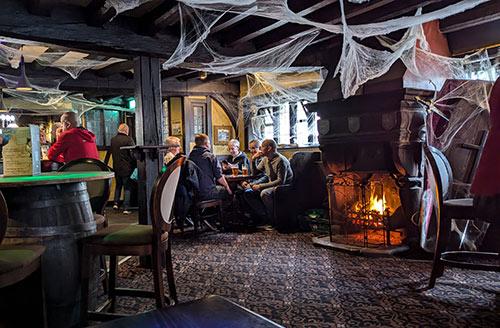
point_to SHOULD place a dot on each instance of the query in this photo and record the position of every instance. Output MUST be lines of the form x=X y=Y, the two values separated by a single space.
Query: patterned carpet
x=287 y=279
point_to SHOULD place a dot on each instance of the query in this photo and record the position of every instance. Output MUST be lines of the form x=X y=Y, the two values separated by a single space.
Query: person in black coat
x=123 y=165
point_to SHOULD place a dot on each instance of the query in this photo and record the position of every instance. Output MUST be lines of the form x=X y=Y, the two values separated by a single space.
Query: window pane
x=284 y=126
x=111 y=121
x=93 y=122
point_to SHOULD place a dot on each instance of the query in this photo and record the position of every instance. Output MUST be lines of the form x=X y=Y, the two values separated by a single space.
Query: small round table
x=53 y=209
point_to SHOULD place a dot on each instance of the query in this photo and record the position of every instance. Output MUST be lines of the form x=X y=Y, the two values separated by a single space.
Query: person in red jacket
x=75 y=142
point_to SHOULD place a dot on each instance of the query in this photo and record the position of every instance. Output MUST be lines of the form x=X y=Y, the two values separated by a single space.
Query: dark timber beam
x=40 y=7
x=473 y=38
x=97 y=15
x=331 y=41
x=164 y=15
x=484 y=13
x=323 y=16
x=304 y=13
x=148 y=128
x=115 y=68
x=234 y=19
x=72 y=31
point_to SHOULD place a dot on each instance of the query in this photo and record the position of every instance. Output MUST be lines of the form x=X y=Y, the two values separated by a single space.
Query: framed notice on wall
x=222 y=134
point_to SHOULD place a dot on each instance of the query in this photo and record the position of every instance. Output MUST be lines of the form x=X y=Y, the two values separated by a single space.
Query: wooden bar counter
x=53 y=209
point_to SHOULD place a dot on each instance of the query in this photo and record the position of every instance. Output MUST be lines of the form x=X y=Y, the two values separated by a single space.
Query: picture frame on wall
x=222 y=134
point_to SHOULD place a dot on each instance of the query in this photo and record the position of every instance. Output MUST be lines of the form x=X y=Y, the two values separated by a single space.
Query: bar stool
x=18 y=263
x=136 y=240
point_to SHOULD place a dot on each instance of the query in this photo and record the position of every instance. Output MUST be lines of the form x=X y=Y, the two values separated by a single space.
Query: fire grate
x=362 y=214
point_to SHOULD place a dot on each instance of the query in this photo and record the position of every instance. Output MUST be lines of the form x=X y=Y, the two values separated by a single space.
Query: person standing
x=74 y=142
x=123 y=165
x=210 y=169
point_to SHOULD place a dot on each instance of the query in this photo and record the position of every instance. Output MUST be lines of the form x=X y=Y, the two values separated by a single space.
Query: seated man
x=210 y=169
x=173 y=150
x=75 y=142
x=237 y=157
x=254 y=147
x=277 y=172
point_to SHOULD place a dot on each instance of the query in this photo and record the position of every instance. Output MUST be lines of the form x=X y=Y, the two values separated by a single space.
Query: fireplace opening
x=365 y=210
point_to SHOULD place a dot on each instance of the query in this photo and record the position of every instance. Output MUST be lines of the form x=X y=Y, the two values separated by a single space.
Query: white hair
x=234 y=142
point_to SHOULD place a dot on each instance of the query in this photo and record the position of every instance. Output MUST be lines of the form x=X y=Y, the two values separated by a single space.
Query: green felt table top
x=53 y=178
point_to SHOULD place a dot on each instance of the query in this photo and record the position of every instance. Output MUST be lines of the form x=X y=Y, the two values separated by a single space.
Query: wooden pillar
x=293 y=123
x=147 y=127
x=276 y=123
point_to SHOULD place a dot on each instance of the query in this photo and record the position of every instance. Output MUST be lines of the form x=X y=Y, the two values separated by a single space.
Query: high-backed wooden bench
x=209 y=312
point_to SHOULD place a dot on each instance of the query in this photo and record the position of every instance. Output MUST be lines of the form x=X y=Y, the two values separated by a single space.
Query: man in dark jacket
x=210 y=170
x=123 y=165
x=75 y=142
x=237 y=158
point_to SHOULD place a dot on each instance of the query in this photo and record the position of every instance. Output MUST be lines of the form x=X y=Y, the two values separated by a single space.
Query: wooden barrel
x=445 y=172
x=55 y=216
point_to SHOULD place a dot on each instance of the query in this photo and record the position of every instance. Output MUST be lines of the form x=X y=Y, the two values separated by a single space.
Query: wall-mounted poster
x=222 y=134
x=176 y=128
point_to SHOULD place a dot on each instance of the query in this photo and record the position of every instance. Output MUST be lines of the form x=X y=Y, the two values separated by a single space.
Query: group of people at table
x=266 y=168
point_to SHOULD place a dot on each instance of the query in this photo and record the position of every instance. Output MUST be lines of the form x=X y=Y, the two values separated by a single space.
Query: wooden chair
x=18 y=263
x=446 y=211
x=98 y=190
x=199 y=217
x=136 y=240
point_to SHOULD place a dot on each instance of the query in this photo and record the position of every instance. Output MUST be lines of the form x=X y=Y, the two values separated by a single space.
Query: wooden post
x=148 y=128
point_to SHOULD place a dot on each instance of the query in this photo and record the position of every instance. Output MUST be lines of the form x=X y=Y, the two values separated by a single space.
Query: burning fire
x=377 y=204
x=374 y=212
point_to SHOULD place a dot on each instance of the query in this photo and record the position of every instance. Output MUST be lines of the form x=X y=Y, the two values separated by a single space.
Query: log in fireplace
x=373 y=152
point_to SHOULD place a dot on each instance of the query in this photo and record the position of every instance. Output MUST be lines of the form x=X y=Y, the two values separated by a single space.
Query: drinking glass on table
x=244 y=170
x=234 y=170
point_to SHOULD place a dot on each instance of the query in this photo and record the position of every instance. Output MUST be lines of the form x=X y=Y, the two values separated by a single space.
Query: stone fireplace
x=372 y=149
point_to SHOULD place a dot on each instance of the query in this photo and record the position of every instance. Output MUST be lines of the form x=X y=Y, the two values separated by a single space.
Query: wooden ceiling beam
x=115 y=68
x=326 y=41
x=174 y=73
x=97 y=15
x=484 y=13
x=309 y=10
x=40 y=7
x=322 y=16
x=236 y=18
x=72 y=31
x=163 y=16
x=474 y=38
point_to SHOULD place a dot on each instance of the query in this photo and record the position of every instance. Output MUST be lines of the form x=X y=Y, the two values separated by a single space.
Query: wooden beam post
x=147 y=127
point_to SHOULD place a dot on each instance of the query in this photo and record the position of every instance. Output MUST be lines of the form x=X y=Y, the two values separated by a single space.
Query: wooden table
x=53 y=209
x=210 y=312
x=238 y=178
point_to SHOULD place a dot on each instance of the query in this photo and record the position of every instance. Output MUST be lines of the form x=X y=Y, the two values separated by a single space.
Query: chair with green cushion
x=136 y=240
x=19 y=263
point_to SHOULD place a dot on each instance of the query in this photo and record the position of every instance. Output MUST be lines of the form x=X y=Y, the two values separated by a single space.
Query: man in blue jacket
x=210 y=170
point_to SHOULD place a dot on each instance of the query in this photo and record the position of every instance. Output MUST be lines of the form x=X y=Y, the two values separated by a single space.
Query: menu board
x=21 y=156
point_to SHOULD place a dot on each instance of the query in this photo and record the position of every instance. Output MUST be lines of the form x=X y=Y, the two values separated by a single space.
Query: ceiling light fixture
x=23 y=84
x=203 y=75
